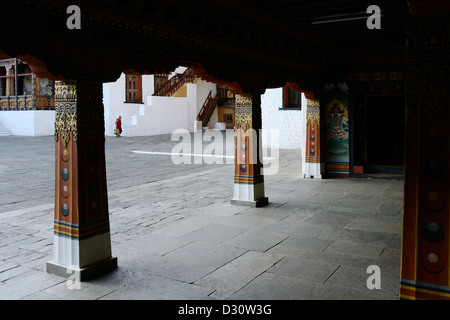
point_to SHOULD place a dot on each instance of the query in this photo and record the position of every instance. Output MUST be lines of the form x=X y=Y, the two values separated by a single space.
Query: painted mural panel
x=335 y=100
x=44 y=87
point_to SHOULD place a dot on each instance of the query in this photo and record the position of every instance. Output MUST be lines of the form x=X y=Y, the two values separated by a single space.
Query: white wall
x=44 y=122
x=214 y=118
x=287 y=122
x=29 y=123
x=162 y=115
x=113 y=102
x=106 y=103
x=158 y=115
x=115 y=105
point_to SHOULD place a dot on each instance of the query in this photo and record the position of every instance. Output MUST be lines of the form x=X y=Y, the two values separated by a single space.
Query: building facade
x=26 y=101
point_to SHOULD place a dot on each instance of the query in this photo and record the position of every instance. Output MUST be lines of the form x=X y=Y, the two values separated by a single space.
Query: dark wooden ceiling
x=256 y=43
x=352 y=33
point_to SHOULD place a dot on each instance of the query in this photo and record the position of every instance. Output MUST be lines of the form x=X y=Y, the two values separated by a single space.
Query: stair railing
x=207 y=109
x=175 y=83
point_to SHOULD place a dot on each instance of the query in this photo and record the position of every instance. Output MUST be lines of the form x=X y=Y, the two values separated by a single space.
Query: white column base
x=311 y=170
x=84 y=257
x=249 y=195
x=83 y=274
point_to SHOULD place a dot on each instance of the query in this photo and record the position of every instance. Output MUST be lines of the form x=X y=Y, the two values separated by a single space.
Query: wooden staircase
x=208 y=108
x=176 y=83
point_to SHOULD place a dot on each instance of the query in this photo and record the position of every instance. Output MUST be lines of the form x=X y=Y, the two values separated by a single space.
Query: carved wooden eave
x=231 y=42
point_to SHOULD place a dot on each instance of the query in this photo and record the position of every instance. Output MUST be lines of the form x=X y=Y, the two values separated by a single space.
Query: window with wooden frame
x=292 y=99
x=19 y=80
x=228 y=118
x=133 y=88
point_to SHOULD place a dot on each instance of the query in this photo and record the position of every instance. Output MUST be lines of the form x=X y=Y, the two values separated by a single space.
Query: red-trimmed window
x=133 y=92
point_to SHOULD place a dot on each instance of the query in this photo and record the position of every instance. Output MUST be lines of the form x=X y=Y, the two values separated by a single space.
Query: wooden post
x=82 y=242
x=425 y=265
x=248 y=179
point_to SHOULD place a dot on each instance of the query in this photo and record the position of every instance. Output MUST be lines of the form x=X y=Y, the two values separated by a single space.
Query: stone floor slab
x=233 y=276
x=358 y=277
x=286 y=288
x=214 y=233
x=305 y=269
x=383 y=224
x=256 y=240
x=355 y=248
x=26 y=284
x=160 y=288
x=185 y=226
x=154 y=243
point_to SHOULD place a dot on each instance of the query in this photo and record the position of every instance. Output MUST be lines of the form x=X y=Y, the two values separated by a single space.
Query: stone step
x=4 y=131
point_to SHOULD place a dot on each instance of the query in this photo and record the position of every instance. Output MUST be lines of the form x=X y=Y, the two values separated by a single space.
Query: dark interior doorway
x=385 y=133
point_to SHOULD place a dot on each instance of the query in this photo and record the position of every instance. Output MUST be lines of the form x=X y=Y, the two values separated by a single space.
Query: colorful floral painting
x=337 y=130
x=337 y=120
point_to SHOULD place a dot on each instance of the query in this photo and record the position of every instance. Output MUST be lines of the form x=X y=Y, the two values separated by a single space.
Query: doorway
x=385 y=131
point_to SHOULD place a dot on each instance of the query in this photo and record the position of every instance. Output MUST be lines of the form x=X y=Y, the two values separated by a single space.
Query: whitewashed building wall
x=157 y=115
x=29 y=123
x=288 y=123
x=115 y=105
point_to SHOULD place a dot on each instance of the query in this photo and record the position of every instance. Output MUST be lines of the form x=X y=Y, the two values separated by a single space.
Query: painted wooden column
x=248 y=177
x=82 y=242
x=311 y=152
x=10 y=80
x=425 y=265
x=33 y=91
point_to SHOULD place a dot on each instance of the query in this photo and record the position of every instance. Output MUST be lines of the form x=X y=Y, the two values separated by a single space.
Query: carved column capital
x=8 y=66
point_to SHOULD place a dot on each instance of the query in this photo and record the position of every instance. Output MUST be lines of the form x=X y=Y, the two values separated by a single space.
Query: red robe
x=119 y=125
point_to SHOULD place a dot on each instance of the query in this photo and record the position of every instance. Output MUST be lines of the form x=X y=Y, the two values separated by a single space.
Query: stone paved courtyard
x=176 y=235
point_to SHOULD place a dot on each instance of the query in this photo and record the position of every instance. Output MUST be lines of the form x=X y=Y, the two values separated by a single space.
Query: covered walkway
x=176 y=235
x=248 y=46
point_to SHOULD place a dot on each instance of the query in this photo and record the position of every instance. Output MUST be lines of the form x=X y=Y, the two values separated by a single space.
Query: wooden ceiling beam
x=234 y=41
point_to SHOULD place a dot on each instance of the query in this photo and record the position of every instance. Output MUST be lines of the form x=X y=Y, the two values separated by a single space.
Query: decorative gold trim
x=243 y=112
x=313 y=112
x=66 y=111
